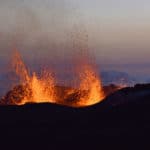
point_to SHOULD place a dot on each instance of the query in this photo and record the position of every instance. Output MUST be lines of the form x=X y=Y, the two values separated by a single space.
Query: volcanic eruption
x=34 y=88
x=37 y=89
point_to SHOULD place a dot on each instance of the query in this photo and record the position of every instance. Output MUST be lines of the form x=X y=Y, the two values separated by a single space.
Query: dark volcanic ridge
x=121 y=119
x=114 y=95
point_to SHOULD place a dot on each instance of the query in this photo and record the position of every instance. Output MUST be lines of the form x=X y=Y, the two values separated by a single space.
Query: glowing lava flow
x=41 y=89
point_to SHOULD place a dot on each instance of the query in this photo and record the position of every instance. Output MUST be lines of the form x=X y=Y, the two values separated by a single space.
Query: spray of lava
x=91 y=84
x=38 y=89
x=42 y=89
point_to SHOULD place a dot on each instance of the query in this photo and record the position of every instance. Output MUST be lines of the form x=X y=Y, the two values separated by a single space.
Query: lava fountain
x=90 y=82
x=38 y=89
x=42 y=89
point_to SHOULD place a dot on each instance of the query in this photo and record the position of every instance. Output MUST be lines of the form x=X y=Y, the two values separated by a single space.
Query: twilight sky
x=118 y=31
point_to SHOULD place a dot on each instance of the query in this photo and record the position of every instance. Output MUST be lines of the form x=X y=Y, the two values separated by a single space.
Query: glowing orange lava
x=91 y=84
x=42 y=89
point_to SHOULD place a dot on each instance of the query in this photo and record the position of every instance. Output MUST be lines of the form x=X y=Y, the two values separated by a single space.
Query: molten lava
x=42 y=89
x=20 y=68
x=91 y=84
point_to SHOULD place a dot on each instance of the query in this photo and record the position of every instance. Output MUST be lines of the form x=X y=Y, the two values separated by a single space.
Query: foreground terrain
x=121 y=121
